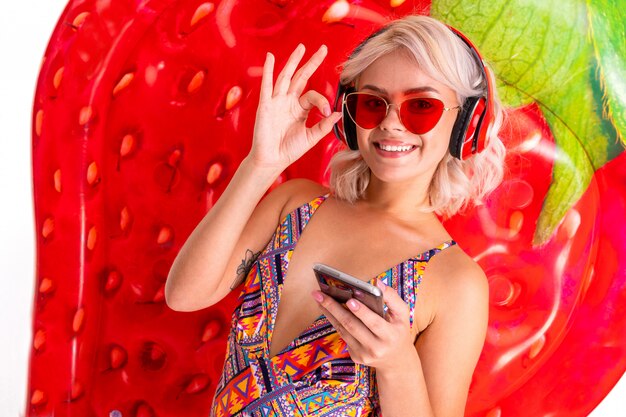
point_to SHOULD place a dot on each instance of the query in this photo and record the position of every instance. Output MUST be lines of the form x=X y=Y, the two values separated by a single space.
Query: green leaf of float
x=608 y=33
x=541 y=53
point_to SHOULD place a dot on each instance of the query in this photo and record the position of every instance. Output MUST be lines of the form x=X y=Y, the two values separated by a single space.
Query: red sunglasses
x=418 y=114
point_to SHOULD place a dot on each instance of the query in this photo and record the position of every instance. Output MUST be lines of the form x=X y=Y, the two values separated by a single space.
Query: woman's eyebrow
x=409 y=91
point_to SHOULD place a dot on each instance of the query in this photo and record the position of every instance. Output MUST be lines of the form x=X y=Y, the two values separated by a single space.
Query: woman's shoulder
x=458 y=276
x=455 y=283
x=299 y=191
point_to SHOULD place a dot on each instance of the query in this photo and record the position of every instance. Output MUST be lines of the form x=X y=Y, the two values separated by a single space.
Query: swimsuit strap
x=304 y=213
x=426 y=255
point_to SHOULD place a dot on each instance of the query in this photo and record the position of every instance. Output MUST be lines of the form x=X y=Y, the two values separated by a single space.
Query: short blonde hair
x=443 y=56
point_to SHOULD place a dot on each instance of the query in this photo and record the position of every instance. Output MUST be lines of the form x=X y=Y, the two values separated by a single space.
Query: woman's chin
x=394 y=176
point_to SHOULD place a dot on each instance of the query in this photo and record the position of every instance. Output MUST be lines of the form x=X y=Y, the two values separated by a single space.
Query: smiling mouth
x=395 y=148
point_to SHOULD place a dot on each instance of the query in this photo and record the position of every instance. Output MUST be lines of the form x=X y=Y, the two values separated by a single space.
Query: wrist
x=250 y=164
x=261 y=171
x=406 y=362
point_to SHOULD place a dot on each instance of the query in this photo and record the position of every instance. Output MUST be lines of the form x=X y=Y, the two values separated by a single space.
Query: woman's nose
x=392 y=119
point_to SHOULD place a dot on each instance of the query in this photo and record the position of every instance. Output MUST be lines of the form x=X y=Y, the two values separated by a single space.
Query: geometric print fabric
x=313 y=375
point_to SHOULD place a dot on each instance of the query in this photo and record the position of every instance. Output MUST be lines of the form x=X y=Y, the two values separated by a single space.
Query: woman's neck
x=405 y=200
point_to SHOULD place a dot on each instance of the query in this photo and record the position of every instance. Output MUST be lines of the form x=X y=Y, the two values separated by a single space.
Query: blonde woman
x=420 y=119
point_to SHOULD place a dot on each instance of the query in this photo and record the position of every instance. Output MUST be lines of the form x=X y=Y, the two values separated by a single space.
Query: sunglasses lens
x=366 y=110
x=419 y=115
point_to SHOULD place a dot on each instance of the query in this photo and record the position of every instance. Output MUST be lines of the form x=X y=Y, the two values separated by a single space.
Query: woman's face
x=396 y=77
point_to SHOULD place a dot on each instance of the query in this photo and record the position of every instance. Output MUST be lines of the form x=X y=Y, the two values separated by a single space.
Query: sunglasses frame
x=388 y=104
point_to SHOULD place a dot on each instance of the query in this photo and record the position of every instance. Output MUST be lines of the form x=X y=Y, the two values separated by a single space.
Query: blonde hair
x=443 y=56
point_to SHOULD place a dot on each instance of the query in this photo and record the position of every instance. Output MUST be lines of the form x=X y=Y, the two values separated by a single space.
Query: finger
x=347 y=320
x=398 y=308
x=267 y=78
x=284 y=77
x=316 y=132
x=322 y=128
x=375 y=323
x=312 y=99
x=302 y=76
x=343 y=333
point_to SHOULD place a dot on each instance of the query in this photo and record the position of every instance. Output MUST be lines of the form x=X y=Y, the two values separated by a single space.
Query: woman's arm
x=432 y=377
x=435 y=379
x=204 y=269
x=450 y=346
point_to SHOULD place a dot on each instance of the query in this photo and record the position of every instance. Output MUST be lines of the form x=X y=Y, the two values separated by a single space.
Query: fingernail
x=380 y=284
x=327 y=111
x=318 y=296
x=353 y=305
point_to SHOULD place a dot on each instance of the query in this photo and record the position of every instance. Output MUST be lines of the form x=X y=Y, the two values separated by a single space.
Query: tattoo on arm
x=244 y=268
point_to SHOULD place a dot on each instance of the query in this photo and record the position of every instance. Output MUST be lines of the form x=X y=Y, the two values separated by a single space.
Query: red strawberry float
x=142 y=113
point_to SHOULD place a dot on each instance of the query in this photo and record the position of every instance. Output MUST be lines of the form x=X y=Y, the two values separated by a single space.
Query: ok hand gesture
x=280 y=133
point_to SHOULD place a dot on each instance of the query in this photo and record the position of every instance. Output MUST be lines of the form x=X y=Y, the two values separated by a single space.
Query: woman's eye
x=374 y=103
x=420 y=105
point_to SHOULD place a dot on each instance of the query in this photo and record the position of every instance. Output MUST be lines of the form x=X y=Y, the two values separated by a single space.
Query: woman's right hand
x=280 y=134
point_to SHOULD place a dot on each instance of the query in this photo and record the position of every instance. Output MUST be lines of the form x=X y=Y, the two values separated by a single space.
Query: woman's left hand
x=371 y=339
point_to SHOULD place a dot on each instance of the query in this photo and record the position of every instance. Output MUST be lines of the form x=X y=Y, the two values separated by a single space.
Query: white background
x=25 y=27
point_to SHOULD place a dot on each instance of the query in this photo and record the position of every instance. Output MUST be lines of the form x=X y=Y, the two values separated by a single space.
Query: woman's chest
x=288 y=281
x=353 y=244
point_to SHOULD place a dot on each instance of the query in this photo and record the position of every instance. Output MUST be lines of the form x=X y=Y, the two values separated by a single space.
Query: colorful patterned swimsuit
x=313 y=375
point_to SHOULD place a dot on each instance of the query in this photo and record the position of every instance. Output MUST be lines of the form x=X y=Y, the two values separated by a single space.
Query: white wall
x=25 y=27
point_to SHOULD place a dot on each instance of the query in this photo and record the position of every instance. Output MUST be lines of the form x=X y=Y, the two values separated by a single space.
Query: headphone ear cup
x=347 y=131
x=464 y=138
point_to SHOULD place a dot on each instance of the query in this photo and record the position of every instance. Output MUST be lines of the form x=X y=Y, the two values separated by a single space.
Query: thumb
x=398 y=308
x=323 y=127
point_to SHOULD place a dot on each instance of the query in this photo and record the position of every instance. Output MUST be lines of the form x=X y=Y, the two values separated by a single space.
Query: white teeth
x=394 y=148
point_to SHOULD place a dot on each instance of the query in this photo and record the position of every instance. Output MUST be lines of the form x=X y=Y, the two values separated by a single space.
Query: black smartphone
x=342 y=287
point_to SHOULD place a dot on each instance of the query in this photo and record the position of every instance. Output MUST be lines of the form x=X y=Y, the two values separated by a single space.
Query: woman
x=294 y=351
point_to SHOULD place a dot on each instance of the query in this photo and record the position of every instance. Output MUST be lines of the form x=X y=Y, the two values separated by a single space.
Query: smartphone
x=342 y=287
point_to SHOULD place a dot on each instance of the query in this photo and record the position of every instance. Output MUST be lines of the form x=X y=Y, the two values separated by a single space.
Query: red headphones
x=473 y=121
